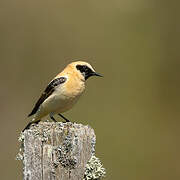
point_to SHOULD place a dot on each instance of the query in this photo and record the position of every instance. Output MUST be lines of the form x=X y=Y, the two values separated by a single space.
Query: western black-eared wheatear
x=62 y=92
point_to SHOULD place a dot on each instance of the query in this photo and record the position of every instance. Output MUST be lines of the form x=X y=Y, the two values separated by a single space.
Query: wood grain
x=57 y=151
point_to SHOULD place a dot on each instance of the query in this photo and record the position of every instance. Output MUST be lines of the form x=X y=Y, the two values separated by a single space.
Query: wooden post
x=57 y=151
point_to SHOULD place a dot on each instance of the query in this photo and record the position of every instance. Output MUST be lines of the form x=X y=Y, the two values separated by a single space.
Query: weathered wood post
x=59 y=151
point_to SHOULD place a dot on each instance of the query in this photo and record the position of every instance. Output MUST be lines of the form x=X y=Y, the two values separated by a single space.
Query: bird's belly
x=60 y=101
x=63 y=105
x=58 y=104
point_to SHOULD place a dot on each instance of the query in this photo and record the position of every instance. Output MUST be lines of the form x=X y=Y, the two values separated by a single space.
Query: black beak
x=97 y=74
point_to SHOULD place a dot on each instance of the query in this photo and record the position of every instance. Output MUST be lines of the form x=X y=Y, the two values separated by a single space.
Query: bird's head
x=84 y=69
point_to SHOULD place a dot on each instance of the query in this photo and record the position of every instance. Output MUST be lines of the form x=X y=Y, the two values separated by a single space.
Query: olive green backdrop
x=134 y=109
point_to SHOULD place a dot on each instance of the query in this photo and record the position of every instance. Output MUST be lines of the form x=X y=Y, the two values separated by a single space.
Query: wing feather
x=47 y=92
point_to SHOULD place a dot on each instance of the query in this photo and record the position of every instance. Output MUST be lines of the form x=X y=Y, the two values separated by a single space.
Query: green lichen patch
x=93 y=143
x=20 y=154
x=94 y=169
x=64 y=154
x=42 y=131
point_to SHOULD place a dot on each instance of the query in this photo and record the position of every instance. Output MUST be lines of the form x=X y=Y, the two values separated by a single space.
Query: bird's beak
x=97 y=74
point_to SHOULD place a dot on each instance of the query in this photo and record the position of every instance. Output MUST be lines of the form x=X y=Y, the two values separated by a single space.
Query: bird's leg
x=51 y=116
x=67 y=120
x=29 y=124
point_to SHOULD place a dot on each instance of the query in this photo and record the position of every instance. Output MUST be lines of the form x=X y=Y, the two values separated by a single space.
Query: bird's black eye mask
x=85 y=71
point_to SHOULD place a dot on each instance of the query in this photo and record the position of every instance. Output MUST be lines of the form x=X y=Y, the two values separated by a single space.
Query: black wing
x=48 y=91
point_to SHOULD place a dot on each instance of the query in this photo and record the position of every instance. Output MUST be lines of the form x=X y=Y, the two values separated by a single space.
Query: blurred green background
x=134 y=109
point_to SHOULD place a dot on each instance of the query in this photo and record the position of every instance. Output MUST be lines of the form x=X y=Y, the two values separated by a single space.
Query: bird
x=62 y=92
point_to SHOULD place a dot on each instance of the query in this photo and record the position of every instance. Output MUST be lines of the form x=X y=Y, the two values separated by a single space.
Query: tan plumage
x=63 y=91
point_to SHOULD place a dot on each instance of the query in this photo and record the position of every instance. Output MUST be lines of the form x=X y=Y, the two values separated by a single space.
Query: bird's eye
x=81 y=68
x=85 y=68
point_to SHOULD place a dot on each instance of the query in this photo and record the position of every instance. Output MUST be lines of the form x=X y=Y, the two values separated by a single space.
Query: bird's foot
x=66 y=120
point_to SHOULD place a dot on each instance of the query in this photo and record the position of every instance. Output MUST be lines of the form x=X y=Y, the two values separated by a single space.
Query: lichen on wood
x=94 y=169
x=63 y=151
